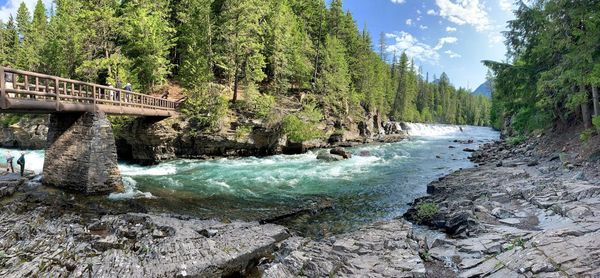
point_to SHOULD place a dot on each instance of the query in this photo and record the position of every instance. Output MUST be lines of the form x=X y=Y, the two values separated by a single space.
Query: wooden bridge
x=30 y=92
x=81 y=153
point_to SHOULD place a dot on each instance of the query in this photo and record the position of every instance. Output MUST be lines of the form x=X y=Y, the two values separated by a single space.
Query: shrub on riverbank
x=426 y=211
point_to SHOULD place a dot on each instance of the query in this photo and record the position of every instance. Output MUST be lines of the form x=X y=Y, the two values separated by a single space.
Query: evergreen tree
x=148 y=39
x=26 y=56
x=195 y=33
x=334 y=82
x=240 y=53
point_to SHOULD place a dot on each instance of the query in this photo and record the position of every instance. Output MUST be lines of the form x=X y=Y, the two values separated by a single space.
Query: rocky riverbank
x=527 y=210
x=150 y=141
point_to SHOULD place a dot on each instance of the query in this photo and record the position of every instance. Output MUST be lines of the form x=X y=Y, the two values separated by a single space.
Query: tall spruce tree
x=240 y=53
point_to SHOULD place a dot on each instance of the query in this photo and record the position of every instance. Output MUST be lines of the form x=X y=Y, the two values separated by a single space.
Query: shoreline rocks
x=513 y=217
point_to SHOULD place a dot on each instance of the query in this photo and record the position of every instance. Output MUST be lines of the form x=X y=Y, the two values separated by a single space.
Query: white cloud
x=418 y=11
x=431 y=12
x=11 y=7
x=423 y=27
x=450 y=29
x=452 y=54
x=495 y=38
x=405 y=42
x=419 y=18
x=505 y=5
x=463 y=12
x=398 y=1
x=409 y=22
x=445 y=40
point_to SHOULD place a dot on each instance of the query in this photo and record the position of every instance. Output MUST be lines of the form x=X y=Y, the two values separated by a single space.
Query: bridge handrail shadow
x=26 y=91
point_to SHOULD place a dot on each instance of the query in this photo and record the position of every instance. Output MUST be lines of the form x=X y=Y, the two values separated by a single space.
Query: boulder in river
x=341 y=152
x=364 y=153
x=326 y=156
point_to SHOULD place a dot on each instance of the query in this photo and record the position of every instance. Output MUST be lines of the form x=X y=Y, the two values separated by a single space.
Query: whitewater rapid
x=376 y=185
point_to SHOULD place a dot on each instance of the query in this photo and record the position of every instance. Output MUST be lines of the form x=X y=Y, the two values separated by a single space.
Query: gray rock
x=341 y=152
x=326 y=156
x=502 y=213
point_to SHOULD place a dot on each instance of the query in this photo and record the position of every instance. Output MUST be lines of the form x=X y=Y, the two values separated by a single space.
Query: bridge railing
x=31 y=86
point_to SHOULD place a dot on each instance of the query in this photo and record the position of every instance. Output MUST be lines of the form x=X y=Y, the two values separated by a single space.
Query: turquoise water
x=379 y=184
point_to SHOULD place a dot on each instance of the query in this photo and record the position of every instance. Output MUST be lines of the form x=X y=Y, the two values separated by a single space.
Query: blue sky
x=451 y=36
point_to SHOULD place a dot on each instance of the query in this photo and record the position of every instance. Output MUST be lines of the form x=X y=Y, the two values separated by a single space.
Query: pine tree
x=148 y=37
x=63 y=52
x=195 y=33
x=25 y=51
x=240 y=49
x=287 y=48
x=334 y=82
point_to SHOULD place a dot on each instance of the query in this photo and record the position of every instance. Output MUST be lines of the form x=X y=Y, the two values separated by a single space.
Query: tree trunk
x=585 y=114
x=595 y=100
x=235 y=88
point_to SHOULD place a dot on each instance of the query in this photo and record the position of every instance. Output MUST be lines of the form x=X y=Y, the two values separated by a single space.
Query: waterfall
x=432 y=130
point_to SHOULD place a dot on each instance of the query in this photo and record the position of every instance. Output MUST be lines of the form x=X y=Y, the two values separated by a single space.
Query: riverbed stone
x=37 y=245
x=378 y=250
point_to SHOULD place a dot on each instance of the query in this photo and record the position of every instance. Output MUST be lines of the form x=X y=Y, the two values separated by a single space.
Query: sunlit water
x=377 y=185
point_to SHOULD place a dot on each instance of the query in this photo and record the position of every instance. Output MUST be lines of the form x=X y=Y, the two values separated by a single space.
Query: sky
x=451 y=36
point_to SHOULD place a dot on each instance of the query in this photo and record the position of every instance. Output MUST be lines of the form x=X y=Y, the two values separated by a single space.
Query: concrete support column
x=81 y=154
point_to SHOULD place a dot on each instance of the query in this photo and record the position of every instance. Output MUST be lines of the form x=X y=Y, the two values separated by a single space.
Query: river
x=376 y=186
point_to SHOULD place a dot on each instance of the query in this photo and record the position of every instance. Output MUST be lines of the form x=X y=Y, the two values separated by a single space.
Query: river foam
x=376 y=183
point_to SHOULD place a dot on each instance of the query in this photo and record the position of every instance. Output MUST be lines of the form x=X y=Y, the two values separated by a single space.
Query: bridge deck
x=30 y=92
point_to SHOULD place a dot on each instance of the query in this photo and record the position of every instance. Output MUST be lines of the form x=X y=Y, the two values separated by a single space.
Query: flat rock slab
x=381 y=250
x=130 y=245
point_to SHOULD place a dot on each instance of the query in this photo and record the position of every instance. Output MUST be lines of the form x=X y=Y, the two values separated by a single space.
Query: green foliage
x=426 y=211
x=10 y=119
x=148 y=36
x=516 y=140
x=586 y=135
x=120 y=123
x=265 y=48
x=552 y=67
x=334 y=82
x=243 y=131
x=596 y=122
x=302 y=126
x=259 y=104
x=298 y=130
x=530 y=119
x=194 y=41
x=205 y=107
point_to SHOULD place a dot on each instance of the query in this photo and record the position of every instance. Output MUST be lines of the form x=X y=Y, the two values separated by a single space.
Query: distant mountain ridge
x=484 y=89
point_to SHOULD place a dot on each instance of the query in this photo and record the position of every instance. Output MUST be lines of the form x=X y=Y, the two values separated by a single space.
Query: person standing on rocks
x=21 y=162
x=9 y=162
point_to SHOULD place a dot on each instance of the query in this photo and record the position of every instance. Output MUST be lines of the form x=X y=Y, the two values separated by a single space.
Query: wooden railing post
x=94 y=97
x=2 y=89
x=57 y=93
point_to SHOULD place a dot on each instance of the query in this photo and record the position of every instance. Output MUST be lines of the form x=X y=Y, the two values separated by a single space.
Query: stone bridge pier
x=81 y=153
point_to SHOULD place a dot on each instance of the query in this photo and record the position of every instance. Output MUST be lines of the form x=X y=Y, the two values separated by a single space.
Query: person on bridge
x=9 y=162
x=111 y=92
x=127 y=90
x=119 y=85
x=165 y=95
x=21 y=162
x=8 y=80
